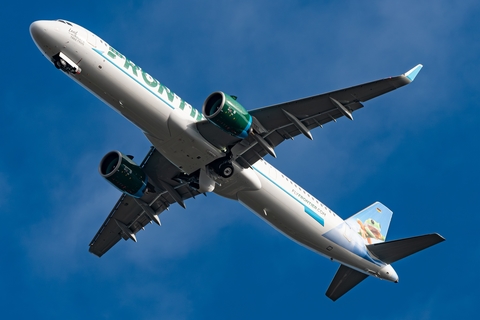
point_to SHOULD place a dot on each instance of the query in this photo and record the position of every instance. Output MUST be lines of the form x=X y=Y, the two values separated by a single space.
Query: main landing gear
x=203 y=180
x=223 y=167
x=225 y=170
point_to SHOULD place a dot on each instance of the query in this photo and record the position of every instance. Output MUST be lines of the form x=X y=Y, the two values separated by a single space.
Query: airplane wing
x=345 y=279
x=287 y=120
x=129 y=215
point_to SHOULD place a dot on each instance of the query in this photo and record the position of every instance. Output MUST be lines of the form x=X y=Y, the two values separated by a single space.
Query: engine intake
x=226 y=113
x=124 y=174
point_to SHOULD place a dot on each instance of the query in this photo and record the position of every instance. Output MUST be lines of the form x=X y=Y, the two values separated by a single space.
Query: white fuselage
x=169 y=123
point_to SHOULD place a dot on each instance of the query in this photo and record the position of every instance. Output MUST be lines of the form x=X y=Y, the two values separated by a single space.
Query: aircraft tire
x=226 y=170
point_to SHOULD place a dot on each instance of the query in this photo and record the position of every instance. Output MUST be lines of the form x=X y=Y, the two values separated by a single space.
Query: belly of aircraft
x=288 y=216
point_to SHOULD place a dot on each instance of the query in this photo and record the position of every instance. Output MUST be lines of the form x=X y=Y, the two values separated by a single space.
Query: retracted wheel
x=226 y=169
x=60 y=63
x=64 y=63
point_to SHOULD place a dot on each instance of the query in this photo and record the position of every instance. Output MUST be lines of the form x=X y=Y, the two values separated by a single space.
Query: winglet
x=412 y=73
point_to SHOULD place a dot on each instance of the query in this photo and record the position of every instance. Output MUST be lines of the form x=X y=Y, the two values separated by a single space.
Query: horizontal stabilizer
x=395 y=250
x=345 y=279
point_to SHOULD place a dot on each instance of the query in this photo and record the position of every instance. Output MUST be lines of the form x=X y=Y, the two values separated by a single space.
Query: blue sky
x=416 y=150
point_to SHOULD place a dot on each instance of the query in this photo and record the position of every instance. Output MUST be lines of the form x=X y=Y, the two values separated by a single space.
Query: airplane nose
x=38 y=31
x=47 y=36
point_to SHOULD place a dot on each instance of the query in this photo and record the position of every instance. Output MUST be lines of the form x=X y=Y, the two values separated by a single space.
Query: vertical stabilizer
x=372 y=223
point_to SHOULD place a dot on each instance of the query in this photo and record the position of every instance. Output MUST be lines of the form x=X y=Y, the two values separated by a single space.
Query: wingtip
x=412 y=73
x=440 y=237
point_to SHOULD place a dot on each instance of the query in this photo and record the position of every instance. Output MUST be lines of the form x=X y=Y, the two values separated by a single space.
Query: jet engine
x=226 y=113
x=124 y=174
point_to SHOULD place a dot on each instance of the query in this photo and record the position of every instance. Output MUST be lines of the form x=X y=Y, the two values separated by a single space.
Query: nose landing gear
x=64 y=63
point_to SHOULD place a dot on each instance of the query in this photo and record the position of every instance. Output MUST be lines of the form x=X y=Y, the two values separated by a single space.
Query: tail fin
x=372 y=223
x=395 y=250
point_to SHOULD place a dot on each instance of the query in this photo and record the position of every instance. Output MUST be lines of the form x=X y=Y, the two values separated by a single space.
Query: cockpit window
x=66 y=22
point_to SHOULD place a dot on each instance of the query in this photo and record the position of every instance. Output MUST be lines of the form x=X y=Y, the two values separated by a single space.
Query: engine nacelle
x=227 y=114
x=124 y=174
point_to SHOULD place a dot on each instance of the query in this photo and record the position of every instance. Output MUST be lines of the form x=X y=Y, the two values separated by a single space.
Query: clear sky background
x=416 y=150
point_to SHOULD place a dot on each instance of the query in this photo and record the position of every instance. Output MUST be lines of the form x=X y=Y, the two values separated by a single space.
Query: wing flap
x=345 y=279
x=128 y=212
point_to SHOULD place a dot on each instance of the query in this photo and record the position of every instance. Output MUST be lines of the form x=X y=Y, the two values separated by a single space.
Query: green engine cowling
x=124 y=174
x=227 y=114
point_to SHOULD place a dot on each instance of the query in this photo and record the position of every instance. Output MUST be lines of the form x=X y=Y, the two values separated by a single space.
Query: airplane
x=222 y=150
